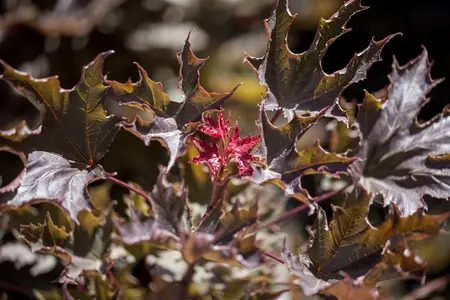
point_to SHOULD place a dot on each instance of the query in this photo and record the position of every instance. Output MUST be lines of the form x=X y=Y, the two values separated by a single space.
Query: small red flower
x=233 y=147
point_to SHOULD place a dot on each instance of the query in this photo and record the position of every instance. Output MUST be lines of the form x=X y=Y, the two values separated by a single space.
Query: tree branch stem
x=111 y=178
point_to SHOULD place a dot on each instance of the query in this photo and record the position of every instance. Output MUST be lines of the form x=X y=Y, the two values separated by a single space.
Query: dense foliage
x=71 y=239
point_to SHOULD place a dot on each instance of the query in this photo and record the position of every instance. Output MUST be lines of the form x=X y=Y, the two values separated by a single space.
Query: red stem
x=273 y=256
x=276 y=116
x=111 y=178
x=300 y=208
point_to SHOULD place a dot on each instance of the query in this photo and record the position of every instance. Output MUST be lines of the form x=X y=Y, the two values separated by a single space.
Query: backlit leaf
x=297 y=81
x=352 y=289
x=75 y=124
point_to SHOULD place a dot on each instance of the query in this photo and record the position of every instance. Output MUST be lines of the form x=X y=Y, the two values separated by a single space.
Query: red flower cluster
x=232 y=146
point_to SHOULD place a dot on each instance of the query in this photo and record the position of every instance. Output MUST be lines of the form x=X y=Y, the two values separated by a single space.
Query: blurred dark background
x=58 y=37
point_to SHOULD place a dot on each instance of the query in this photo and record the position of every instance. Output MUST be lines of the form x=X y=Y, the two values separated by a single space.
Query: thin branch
x=273 y=256
x=111 y=178
x=276 y=116
x=217 y=194
x=299 y=209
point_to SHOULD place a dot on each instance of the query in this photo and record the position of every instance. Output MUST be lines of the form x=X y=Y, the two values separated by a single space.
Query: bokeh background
x=58 y=37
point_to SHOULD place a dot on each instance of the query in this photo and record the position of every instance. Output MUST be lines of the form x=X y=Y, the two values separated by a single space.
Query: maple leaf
x=299 y=266
x=216 y=129
x=284 y=164
x=350 y=244
x=49 y=177
x=399 y=154
x=75 y=126
x=398 y=261
x=297 y=81
x=174 y=121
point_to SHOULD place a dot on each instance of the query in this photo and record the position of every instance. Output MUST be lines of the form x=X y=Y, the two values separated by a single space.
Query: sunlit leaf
x=395 y=149
x=49 y=177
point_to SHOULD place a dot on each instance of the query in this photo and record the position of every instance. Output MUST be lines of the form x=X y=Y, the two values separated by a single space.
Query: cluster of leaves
x=99 y=242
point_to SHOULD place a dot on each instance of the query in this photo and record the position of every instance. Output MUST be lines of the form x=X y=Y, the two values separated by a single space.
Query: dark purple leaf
x=398 y=154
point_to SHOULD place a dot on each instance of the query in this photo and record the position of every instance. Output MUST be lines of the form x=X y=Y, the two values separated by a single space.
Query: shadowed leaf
x=299 y=266
x=11 y=175
x=349 y=244
x=161 y=226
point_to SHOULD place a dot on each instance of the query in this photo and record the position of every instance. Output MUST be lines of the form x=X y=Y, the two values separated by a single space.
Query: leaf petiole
x=299 y=209
x=273 y=256
x=110 y=177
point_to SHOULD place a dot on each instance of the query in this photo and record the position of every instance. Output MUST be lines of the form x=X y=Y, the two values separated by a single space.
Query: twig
x=111 y=178
x=273 y=256
x=276 y=116
x=217 y=193
x=300 y=208
x=113 y=279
